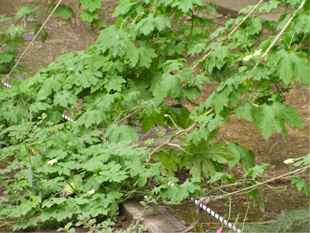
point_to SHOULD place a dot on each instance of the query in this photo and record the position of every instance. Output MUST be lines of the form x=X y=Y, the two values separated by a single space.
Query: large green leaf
x=293 y=67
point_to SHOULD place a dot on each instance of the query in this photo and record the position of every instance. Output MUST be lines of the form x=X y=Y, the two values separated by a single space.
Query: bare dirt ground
x=73 y=36
x=62 y=36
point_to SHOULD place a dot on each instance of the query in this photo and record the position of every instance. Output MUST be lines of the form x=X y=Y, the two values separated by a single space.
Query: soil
x=73 y=36
x=62 y=36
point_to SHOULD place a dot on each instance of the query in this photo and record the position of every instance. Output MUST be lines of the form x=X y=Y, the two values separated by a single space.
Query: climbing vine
x=136 y=126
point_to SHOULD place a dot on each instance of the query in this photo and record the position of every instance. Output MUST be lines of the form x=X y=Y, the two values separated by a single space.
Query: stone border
x=155 y=219
x=229 y=7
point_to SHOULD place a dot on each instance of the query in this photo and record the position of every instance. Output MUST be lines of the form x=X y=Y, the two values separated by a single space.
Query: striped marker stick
x=218 y=217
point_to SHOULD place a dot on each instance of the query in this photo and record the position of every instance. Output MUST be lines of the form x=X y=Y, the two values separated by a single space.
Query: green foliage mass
x=10 y=39
x=90 y=10
x=119 y=93
x=291 y=221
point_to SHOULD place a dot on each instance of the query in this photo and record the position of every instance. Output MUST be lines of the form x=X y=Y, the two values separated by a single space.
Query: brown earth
x=62 y=36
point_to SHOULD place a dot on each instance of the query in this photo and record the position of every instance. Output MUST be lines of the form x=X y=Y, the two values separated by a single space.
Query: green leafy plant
x=24 y=11
x=130 y=132
x=300 y=183
x=64 y=11
x=90 y=10
x=10 y=39
x=291 y=221
x=12 y=35
x=87 y=10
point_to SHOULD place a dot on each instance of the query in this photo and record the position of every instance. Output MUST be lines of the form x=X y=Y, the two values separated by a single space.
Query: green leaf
x=269 y=6
x=245 y=112
x=90 y=118
x=162 y=22
x=115 y=84
x=293 y=3
x=187 y=5
x=240 y=154
x=123 y=7
x=149 y=24
x=93 y=165
x=146 y=25
x=88 y=17
x=266 y=121
x=15 y=32
x=304 y=161
x=47 y=88
x=132 y=54
x=291 y=116
x=119 y=44
x=272 y=118
x=254 y=26
x=219 y=153
x=217 y=58
x=176 y=193
x=64 y=11
x=220 y=100
x=218 y=176
x=6 y=57
x=286 y=68
x=24 y=11
x=91 y=5
x=146 y=56
x=292 y=67
x=256 y=170
x=169 y=161
x=247 y=158
x=301 y=185
x=39 y=106
x=121 y=134
x=302 y=24
x=113 y=172
x=64 y=99
x=195 y=49
x=168 y=85
x=53 y=201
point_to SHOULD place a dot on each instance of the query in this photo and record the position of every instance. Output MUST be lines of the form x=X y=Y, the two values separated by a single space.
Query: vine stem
x=253 y=9
x=245 y=216
x=278 y=36
x=260 y=183
x=34 y=38
x=176 y=135
x=168 y=142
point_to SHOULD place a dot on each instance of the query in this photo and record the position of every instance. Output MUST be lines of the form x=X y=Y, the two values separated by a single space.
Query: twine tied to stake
x=218 y=217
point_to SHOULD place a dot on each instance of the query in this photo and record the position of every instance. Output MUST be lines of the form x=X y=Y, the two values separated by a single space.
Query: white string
x=34 y=38
x=8 y=85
